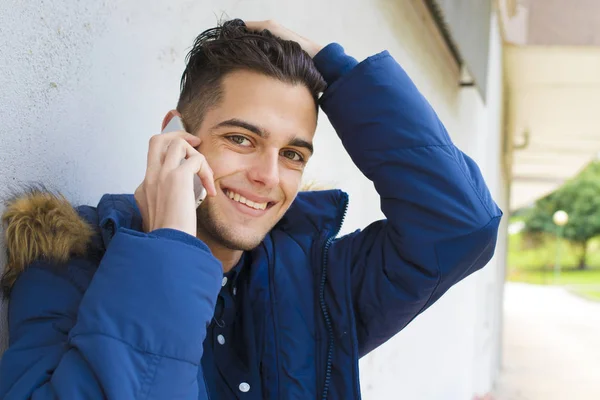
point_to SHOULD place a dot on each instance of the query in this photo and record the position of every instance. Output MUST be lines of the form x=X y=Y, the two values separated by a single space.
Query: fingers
x=196 y=164
x=260 y=25
x=284 y=33
x=182 y=156
x=176 y=152
x=273 y=27
x=160 y=143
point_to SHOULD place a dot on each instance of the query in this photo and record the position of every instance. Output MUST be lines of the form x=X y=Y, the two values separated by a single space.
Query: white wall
x=78 y=77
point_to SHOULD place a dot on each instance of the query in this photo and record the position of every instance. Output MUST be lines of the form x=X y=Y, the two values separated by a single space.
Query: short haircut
x=232 y=47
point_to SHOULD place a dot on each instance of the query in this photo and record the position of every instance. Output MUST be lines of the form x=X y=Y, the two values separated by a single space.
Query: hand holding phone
x=165 y=197
x=176 y=124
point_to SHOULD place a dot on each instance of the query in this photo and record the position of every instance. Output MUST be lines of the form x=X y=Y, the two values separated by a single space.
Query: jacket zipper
x=324 y=309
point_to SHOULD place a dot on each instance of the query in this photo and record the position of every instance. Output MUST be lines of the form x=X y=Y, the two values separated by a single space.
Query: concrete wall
x=84 y=84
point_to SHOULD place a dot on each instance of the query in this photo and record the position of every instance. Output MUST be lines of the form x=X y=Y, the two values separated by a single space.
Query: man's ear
x=169 y=116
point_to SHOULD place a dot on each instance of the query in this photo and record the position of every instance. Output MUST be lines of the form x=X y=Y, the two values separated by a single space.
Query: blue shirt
x=229 y=371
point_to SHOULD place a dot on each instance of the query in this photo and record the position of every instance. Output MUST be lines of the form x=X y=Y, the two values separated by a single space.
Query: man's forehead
x=265 y=106
x=254 y=84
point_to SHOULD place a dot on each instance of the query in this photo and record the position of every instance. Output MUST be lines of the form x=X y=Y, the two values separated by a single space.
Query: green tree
x=580 y=198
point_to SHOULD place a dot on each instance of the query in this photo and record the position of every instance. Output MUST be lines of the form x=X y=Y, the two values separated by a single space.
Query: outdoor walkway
x=551 y=345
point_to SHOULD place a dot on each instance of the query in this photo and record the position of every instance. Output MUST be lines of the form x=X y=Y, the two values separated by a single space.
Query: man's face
x=257 y=141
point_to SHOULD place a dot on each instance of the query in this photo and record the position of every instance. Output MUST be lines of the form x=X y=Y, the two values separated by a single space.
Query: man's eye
x=292 y=155
x=238 y=139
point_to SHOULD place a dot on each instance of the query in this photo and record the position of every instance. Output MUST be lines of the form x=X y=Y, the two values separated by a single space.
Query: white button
x=234 y=291
x=221 y=339
x=224 y=282
x=244 y=387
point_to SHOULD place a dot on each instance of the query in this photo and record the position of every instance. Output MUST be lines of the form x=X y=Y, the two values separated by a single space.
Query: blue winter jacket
x=116 y=313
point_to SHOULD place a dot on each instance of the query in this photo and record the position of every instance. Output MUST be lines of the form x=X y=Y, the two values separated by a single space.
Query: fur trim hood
x=40 y=225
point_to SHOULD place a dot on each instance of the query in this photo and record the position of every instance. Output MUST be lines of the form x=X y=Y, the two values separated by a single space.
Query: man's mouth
x=241 y=199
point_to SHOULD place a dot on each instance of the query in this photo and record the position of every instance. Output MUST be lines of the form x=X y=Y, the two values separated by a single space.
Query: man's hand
x=166 y=196
x=278 y=30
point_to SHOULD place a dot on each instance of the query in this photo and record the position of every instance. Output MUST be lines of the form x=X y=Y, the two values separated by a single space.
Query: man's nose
x=265 y=169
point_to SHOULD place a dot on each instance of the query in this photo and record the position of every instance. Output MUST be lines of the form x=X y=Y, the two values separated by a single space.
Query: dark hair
x=231 y=47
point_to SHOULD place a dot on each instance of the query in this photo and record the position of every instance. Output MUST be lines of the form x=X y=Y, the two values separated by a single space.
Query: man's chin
x=234 y=237
x=241 y=243
x=227 y=231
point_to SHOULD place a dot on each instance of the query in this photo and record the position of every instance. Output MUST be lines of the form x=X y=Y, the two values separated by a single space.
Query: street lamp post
x=560 y=218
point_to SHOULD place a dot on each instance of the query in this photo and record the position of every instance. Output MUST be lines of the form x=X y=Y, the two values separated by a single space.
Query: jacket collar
x=311 y=212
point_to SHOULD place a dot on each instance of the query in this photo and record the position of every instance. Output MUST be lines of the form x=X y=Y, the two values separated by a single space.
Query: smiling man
x=250 y=295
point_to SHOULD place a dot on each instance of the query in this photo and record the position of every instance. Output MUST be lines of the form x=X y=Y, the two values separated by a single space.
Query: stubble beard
x=212 y=225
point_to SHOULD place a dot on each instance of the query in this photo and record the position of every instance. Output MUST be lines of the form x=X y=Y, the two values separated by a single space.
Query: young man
x=250 y=296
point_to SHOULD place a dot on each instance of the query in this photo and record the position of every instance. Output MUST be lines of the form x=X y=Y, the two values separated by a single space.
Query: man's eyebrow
x=297 y=142
x=238 y=123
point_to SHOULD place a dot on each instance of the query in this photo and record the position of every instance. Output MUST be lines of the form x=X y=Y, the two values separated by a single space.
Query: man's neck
x=229 y=258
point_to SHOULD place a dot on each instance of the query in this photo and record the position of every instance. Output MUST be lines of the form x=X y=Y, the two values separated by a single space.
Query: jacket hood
x=40 y=224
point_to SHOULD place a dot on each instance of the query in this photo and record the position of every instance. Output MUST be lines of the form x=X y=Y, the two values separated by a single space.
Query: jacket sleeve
x=135 y=333
x=441 y=222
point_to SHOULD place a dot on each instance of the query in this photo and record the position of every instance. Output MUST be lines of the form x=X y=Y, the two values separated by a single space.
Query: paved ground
x=551 y=345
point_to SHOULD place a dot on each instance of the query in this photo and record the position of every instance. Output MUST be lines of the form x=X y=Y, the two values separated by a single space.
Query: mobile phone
x=176 y=124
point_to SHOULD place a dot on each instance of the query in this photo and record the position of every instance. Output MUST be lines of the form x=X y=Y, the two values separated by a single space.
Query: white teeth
x=241 y=199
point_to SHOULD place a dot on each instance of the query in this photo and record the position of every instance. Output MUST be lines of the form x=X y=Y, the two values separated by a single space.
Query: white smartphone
x=176 y=124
